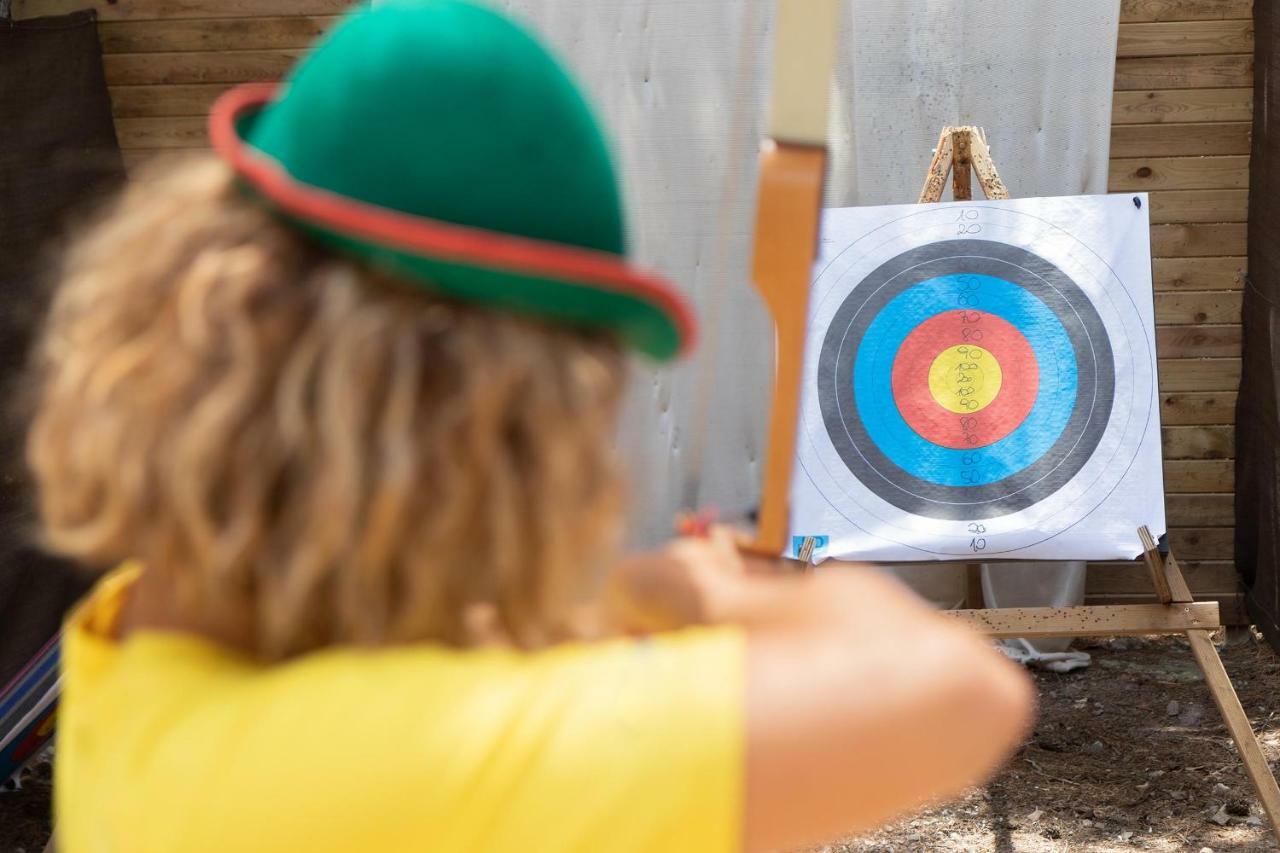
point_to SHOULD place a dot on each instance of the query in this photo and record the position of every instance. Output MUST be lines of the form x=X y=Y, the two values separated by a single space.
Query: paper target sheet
x=980 y=383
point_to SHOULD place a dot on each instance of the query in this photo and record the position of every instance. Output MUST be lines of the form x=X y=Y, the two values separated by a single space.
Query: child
x=341 y=401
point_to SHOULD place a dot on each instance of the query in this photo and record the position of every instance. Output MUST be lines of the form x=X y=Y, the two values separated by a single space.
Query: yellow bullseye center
x=965 y=379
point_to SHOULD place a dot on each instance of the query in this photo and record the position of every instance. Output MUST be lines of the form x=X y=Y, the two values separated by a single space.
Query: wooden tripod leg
x=936 y=178
x=985 y=168
x=961 y=163
x=1156 y=568
x=1171 y=586
x=1224 y=696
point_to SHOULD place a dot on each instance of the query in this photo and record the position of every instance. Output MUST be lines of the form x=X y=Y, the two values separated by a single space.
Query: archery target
x=979 y=381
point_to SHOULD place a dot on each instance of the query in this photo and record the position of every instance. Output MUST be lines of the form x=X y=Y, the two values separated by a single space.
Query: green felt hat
x=439 y=140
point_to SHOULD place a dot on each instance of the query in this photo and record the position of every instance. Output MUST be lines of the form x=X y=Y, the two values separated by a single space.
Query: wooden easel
x=960 y=149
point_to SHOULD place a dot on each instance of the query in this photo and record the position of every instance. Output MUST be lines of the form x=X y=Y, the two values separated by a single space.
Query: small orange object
x=696 y=523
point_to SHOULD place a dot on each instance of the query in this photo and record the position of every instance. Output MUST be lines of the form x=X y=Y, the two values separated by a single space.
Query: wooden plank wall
x=167 y=60
x=1181 y=123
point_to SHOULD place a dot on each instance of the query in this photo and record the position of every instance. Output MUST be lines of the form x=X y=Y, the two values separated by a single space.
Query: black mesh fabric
x=58 y=155
x=1257 y=415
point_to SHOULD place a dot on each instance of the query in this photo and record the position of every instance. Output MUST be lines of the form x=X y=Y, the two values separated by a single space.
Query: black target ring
x=1090 y=412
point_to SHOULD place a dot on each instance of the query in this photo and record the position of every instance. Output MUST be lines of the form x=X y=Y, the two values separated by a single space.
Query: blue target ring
x=933 y=463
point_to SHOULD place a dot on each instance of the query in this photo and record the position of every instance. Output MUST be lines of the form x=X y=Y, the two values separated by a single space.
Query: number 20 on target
x=966 y=222
x=977 y=543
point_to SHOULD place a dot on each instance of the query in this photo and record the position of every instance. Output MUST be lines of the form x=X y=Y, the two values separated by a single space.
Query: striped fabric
x=27 y=707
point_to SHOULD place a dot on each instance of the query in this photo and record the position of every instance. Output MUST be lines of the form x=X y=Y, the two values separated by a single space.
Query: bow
x=793 y=164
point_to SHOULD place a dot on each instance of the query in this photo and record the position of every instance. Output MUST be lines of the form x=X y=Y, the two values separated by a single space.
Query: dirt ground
x=1129 y=754
x=24 y=811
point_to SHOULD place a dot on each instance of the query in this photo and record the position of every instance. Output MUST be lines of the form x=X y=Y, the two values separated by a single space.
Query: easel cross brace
x=959 y=150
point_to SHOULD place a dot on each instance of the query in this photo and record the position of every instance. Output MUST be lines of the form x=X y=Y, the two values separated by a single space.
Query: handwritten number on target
x=977 y=543
x=965 y=223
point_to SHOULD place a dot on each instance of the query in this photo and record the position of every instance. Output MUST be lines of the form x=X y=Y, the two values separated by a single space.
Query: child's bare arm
x=862 y=703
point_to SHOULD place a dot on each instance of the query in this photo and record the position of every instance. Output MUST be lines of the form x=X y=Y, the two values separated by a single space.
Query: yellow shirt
x=170 y=743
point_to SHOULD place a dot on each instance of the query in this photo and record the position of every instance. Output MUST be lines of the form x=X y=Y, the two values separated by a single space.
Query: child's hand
x=677 y=585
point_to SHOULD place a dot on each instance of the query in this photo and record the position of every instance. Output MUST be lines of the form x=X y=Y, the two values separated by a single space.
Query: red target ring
x=1012 y=403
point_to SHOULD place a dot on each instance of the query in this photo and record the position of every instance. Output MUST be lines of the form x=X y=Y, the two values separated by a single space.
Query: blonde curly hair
x=324 y=453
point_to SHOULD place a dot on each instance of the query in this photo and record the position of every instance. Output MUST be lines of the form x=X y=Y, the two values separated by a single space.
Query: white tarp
x=682 y=86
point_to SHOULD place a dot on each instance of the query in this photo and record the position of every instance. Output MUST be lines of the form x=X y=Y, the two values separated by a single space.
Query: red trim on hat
x=430 y=237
